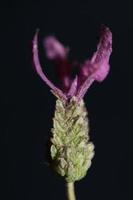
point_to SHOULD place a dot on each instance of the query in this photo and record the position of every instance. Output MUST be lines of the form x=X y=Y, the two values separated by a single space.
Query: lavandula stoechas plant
x=71 y=151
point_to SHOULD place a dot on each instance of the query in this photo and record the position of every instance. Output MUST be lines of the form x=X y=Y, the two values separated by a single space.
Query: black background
x=29 y=105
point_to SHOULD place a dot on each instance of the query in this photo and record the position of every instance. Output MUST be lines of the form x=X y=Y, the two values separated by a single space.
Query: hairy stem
x=70 y=191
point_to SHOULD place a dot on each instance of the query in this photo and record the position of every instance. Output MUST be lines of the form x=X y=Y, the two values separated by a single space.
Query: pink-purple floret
x=96 y=68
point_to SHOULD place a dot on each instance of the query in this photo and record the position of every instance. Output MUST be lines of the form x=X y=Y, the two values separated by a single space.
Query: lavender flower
x=71 y=150
x=94 y=69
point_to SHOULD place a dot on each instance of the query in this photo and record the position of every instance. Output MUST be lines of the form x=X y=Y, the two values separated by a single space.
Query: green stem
x=70 y=191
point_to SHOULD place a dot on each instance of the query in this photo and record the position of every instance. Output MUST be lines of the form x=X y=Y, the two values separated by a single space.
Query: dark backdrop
x=29 y=105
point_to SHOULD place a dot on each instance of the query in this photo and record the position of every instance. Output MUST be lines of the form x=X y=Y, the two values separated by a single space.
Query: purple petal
x=98 y=67
x=39 y=69
x=83 y=88
x=54 y=49
x=86 y=70
x=73 y=88
x=100 y=59
x=57 y=53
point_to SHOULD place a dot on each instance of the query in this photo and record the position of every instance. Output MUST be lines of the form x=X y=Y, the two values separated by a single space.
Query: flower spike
x=71 y=150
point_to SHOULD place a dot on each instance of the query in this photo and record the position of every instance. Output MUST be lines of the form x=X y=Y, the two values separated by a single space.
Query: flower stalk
x=70 y=191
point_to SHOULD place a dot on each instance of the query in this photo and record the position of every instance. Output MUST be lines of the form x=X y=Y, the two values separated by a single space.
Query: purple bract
x=92 y=69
